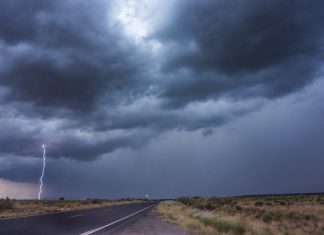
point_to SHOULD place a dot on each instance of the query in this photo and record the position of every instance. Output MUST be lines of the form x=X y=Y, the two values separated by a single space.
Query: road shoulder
x=149 y=224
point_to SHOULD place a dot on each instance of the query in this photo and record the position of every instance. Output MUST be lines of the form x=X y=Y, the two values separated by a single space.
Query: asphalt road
x=89 y=221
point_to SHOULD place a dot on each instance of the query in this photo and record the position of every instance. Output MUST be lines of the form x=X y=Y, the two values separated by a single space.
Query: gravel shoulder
x=149 y=224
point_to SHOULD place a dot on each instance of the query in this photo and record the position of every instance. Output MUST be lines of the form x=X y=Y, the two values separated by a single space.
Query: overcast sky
x=166 y=98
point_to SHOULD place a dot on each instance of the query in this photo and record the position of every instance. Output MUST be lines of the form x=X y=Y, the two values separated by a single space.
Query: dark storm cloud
x=273 y=47
x=66 y=54
x=18 y=19
x=21 y=143
x=249 y=35
x=18 y=142
x=60 y=61
x=71 y=77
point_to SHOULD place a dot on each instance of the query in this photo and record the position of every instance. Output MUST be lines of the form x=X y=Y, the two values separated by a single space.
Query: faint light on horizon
x=18 y=190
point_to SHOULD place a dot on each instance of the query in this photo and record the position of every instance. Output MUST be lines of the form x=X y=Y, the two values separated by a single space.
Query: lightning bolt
x=43 y=173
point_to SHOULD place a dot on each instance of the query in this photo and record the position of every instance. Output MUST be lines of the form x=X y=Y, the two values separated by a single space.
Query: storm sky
x=166 y=98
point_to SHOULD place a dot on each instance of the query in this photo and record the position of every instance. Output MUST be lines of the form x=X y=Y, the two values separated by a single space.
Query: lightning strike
x=43 y=173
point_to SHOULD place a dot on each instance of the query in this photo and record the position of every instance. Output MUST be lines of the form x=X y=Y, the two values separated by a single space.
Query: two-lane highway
x=85 y=222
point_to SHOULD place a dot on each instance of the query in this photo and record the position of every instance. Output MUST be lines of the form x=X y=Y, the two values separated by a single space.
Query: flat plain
x=15 y=208
x=255 y=215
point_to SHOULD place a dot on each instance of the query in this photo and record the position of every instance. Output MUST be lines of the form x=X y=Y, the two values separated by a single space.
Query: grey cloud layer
x=265 y=48
x=63 y=54
x=71 y=78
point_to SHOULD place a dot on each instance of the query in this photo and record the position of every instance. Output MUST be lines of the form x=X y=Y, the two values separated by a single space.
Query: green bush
x=258 y=203
x=223 y=226
x=209 y=206
x=96 y=201
x=238 y=208
x=310 y=217
x=277 y=216
x=185 y=200
x=266 y=217
x=7 y=204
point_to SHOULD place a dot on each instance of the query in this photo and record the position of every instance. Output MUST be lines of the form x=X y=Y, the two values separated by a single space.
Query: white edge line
x=107 y=225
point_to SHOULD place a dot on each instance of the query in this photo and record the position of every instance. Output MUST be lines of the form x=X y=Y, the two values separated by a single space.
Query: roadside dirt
x=150 y=224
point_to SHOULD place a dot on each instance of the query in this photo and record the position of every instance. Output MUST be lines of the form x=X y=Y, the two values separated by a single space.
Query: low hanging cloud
x=72 y=78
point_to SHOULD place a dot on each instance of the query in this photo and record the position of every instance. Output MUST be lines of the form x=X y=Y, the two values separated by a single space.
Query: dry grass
x=177 y=213
x=247 y=215
x=32 y=207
